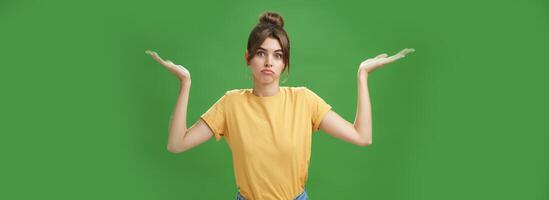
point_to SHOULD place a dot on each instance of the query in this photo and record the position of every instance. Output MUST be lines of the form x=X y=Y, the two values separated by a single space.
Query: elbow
x=172 y=149
x=364 y=143
x=175 y=149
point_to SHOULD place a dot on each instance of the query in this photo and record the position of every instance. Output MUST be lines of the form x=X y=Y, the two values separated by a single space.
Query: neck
x=265 y=90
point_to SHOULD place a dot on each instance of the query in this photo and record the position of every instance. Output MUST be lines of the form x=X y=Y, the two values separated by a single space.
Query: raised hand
x=181 y=72
x=371 y=64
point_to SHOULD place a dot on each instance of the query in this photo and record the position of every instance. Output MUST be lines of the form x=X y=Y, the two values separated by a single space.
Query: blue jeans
x=302 y=196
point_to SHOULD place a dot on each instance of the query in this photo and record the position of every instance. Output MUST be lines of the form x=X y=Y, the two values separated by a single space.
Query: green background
x=85 y=112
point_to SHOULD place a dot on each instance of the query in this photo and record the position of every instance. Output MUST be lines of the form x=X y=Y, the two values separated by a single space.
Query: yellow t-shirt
x=270 y=138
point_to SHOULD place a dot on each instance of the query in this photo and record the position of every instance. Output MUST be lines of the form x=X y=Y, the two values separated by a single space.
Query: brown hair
x=270 y=25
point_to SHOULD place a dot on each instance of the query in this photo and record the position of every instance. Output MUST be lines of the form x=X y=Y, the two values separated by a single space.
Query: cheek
x=253 y=66
x=256 y=62
x=256 y=66
x=280 y=65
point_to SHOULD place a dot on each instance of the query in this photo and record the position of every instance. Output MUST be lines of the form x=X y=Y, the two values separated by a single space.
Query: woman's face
x=267 y=63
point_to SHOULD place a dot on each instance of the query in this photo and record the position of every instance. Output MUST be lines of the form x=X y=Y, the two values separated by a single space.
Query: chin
x=267 y=80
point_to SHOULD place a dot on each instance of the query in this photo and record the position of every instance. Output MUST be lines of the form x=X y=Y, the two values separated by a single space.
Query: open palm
x=181 y=72
x=371 y=64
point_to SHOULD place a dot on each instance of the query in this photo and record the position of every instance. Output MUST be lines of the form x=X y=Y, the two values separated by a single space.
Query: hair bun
x=271 y=18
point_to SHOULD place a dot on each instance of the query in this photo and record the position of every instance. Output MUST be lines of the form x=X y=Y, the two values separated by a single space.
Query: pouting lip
x=268 y=70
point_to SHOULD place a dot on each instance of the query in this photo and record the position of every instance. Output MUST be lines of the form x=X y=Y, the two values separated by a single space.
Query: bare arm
x=363 y=118
x=181 y=138
x=360 y=132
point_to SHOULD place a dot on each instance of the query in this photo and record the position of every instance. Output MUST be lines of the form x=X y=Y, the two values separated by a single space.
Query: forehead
x=270 y=44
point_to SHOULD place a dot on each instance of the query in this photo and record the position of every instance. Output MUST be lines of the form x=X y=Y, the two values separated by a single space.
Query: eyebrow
x=261 y=48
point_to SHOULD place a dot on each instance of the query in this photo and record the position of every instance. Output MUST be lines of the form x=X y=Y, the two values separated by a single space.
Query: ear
x=246 y=57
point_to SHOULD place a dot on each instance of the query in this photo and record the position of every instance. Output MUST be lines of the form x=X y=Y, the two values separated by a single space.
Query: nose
x=268 y=62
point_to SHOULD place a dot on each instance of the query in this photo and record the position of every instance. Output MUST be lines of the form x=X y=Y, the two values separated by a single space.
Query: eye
x=278 y=55
x=260 y=53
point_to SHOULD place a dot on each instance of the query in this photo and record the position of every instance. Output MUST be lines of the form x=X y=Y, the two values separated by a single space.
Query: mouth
x=267 y=71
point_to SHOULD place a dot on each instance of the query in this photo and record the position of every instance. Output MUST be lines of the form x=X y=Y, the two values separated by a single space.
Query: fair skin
x=360 y=132
x=265 y=83
x=268 y=57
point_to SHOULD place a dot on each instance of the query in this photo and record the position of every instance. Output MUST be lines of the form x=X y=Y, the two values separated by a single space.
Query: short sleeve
x=318 y=108
x=215 y=118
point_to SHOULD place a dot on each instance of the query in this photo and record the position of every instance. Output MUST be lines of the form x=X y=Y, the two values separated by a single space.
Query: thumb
x=382 y=55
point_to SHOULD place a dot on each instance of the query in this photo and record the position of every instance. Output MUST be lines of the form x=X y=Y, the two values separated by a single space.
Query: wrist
x=363 y=75
x=185 y=82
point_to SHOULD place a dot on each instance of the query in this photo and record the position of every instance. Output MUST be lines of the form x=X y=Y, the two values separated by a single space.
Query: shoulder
x=236 y=94
x=303 y=90
x=298 y=89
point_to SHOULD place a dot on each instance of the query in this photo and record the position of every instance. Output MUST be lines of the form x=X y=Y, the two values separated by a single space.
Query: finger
x=170 y=64
x=403 y=52
x=158 y=58
x=406 y=51
x=384 y=55
x=152 y=53
x=394 y=58
x=149 y=52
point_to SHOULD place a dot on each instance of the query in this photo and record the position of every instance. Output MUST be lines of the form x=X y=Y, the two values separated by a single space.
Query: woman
x=268 y=128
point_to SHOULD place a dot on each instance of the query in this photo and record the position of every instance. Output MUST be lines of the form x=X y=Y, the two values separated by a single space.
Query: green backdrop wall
x=85 y=112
